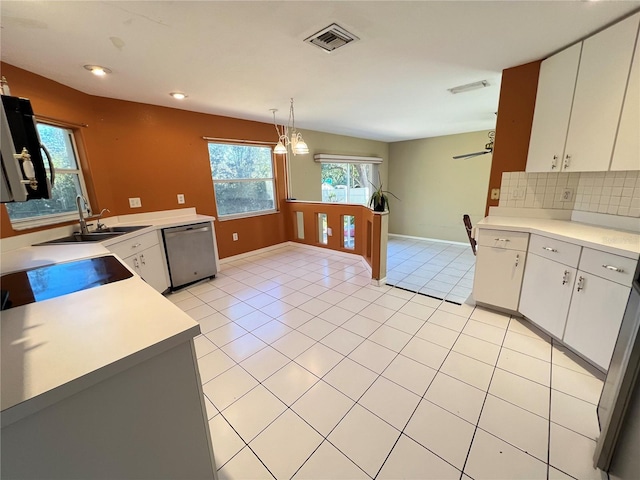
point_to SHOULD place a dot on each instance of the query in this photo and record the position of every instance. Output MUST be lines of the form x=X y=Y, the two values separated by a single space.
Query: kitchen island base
x=147 y=422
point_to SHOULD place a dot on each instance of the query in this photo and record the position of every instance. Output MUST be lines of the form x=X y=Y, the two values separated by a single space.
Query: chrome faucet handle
x=101 y=225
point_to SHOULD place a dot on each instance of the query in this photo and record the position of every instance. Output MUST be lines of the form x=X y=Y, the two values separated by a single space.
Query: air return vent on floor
x=331 y=38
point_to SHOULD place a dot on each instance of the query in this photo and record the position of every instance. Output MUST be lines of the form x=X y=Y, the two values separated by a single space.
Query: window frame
x=57 y=218
x=374 y=173
x=273 y=179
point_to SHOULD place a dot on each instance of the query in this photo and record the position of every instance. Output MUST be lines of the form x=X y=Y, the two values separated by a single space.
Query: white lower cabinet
x=499 y=268
x=599 y=299
x=576 y=294
x=149 y=264
x=145 y=255
x=546 y=293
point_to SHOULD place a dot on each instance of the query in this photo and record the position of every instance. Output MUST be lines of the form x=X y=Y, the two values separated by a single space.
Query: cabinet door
x=152 y=268
x=626 y=153
x=546 y=293
x=595 y=316
x=498 y=277
x=597 y=102
x=556 y=84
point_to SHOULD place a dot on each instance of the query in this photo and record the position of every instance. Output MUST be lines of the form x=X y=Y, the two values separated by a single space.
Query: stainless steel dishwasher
x=191 y=254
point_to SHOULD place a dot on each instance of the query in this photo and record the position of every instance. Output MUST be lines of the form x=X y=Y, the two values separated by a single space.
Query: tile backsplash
x=614 y=193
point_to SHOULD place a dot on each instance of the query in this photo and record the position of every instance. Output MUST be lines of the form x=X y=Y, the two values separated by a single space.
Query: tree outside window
x=347 y=182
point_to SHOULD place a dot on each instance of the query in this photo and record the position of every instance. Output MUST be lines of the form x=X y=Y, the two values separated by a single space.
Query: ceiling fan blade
x=471 y=155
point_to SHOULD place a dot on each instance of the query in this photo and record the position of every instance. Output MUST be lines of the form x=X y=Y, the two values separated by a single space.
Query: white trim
x=379 y=283
x=328 y=158
x=429 y=239
x=236 y=216
x=241 y=256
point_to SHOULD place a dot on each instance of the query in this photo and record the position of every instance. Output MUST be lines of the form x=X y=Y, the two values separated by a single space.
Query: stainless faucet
x=82 y=202
x=101 y=225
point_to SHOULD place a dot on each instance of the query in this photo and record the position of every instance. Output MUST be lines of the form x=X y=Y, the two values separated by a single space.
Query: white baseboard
x=242 y=256
x=428 y=239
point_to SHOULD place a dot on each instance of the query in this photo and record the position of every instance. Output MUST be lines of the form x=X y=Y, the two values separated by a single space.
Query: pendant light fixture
x=289 y=136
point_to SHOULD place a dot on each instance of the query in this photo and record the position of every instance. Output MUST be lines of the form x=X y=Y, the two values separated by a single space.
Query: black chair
x=468 y=227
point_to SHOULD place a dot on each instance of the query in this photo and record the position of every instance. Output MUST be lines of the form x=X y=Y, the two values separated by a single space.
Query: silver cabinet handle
x=567 y=160
x=502 y=240
x=554 y=163
x=136 y=245
x=613 y=269
x=565 y=277
x=135 y=263
x=517 y=259
x=549 y=249
x=142 y=258
x=580 y=283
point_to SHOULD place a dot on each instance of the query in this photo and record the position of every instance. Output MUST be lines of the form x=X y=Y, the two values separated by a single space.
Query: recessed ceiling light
x=97 y=70
x=178 y=95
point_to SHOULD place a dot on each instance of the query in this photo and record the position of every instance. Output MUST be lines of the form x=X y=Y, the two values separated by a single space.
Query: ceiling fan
x=488 y=148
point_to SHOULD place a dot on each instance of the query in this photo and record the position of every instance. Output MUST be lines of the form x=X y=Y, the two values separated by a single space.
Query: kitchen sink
x=80 y=238
x=97 y=236
x=123 y=229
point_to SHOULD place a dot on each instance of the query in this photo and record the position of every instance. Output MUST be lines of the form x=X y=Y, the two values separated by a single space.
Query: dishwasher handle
x=183 y=231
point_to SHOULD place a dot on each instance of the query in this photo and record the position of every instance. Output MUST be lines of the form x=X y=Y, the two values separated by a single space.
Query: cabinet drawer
x=556 y=250
x=607 y=265
x=503 y=239
x=131 y=246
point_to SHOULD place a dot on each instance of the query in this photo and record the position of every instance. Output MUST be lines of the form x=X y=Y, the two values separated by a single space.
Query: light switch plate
x=235 y=237
x=180 y=198
x=329 y=231
x=135 y=202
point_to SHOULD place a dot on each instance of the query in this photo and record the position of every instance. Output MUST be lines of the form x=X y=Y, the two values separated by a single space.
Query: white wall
x=435 y=190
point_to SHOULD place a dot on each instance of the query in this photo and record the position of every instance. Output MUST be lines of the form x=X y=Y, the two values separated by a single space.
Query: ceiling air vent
x=331 y=38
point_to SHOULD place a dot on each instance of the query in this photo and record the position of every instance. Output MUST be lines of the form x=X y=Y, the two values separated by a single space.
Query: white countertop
x=609 y=240
x=57 y=347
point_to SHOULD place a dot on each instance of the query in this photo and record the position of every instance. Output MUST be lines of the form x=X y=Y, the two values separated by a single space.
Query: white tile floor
x=439 y=269
x=310 y=372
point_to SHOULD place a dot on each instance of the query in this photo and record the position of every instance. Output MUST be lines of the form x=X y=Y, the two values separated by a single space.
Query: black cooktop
x=42 y=283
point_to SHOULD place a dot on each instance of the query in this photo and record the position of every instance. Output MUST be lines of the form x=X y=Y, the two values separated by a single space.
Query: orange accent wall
x=139 y=150
x=513 y=126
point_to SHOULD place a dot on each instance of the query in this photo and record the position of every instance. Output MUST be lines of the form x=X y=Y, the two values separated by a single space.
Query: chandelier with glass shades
x=289 y=136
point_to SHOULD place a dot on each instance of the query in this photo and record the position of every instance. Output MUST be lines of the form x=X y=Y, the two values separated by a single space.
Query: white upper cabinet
x=556 y=84
x=578 y=108
x=626 y=153
x=597 y=102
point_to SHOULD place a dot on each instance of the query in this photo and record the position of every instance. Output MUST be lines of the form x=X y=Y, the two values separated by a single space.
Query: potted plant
x=379 y=200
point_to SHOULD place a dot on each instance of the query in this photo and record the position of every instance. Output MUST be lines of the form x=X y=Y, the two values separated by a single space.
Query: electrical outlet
x=135 y=202
x=567 y=194
x=495 y=194
x=180 y=198
x=329 y=231
x=517 y=193
x=235 y=237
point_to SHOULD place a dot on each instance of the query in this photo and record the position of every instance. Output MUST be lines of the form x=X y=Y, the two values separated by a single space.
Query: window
x=68 y=183
x=347 y=182
x=243 y=180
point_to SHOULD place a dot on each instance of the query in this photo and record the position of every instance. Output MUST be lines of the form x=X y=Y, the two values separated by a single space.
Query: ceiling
x=240 y=58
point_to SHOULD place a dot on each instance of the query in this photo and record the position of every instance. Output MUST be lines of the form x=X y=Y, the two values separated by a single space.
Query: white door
x=595 y=315
x=597 y=102
x=546 y=293
x=498 y=277
x=556 y=84
x=626 y=153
